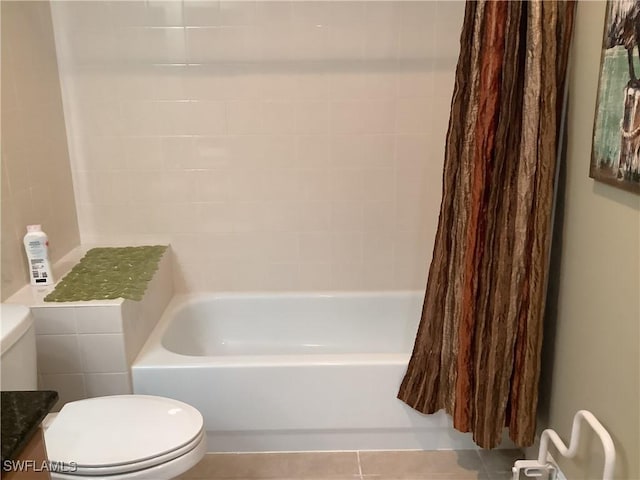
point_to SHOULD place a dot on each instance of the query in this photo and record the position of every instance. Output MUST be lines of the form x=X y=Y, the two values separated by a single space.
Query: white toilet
x=119 y=437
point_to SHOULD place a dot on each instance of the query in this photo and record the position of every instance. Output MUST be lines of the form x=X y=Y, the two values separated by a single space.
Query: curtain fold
x=477 y=350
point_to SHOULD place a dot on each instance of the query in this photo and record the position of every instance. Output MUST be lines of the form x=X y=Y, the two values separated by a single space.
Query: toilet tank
x=18 y=368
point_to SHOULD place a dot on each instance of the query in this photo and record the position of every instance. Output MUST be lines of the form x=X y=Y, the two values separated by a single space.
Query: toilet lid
x=121 y=430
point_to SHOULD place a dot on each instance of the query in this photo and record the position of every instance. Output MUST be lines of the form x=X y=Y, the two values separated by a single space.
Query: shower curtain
x=477 y=351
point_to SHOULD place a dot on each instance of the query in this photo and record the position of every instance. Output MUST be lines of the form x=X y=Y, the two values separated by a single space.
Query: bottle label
x=37 y=267
x=36 y=248
x=37 y=254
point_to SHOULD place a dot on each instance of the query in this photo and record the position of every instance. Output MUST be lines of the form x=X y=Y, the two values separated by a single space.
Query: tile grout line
x=359 y=465
x=485 y=470
x=484 y=467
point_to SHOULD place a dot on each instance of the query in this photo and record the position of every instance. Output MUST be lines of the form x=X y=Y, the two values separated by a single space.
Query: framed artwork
x=615 y=154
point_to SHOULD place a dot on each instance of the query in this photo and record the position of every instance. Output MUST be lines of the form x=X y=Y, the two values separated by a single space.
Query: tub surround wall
x=36 y=176
x=86 y=349
x=275 y=145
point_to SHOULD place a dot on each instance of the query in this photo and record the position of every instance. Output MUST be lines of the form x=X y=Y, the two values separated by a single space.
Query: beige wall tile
x=277 y=117
x=413 y=115
x=269 y=129
x=315 y=247
x=378 y=275
x=347 y=275
x=58 y=354
x=347 y=216
x=243 y=117
x=101 y=384
x=362 y=116
x=70 y=386
x=201 y=13
x=102 y=353
x=315 y=276
x=311 y=117
x=347 y=185
x=54 y=321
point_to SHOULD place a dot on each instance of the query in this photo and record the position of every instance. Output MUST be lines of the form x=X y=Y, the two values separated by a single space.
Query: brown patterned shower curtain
x=477 y=351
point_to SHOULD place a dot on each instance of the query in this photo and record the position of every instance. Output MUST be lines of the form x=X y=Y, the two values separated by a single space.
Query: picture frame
x=615 y=152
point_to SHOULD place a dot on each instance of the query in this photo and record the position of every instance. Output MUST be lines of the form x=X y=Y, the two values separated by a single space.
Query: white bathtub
x=291 y=372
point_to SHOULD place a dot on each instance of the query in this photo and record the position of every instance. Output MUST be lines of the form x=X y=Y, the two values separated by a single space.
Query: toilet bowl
x=124 y=437
x=119 y=437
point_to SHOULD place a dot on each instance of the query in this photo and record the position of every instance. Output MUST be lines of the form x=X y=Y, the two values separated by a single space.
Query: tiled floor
x=394 y=465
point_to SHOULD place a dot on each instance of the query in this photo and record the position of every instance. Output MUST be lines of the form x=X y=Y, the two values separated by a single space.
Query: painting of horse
x=615 y=157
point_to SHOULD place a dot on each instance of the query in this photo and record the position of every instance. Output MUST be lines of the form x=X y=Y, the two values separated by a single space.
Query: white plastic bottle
x=36 y=243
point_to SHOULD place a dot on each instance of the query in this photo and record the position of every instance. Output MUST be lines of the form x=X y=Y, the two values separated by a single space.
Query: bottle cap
x=34 y=228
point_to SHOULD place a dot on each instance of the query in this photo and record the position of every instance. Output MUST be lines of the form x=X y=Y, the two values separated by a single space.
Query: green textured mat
x=110 y=272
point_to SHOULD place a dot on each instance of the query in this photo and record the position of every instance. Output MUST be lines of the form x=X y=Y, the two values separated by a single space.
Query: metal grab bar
x=535 y=468
x=605 y=438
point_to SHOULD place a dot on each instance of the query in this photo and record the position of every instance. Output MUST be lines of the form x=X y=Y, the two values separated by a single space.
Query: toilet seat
x=109 y=470
x=112 y=436
x=171 y=469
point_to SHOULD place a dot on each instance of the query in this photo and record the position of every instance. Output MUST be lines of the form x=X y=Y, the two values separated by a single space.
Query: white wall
x=592 y=356
x=276 y=145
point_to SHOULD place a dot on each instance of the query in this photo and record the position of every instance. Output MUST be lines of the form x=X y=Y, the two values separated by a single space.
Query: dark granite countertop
x=20 y=415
